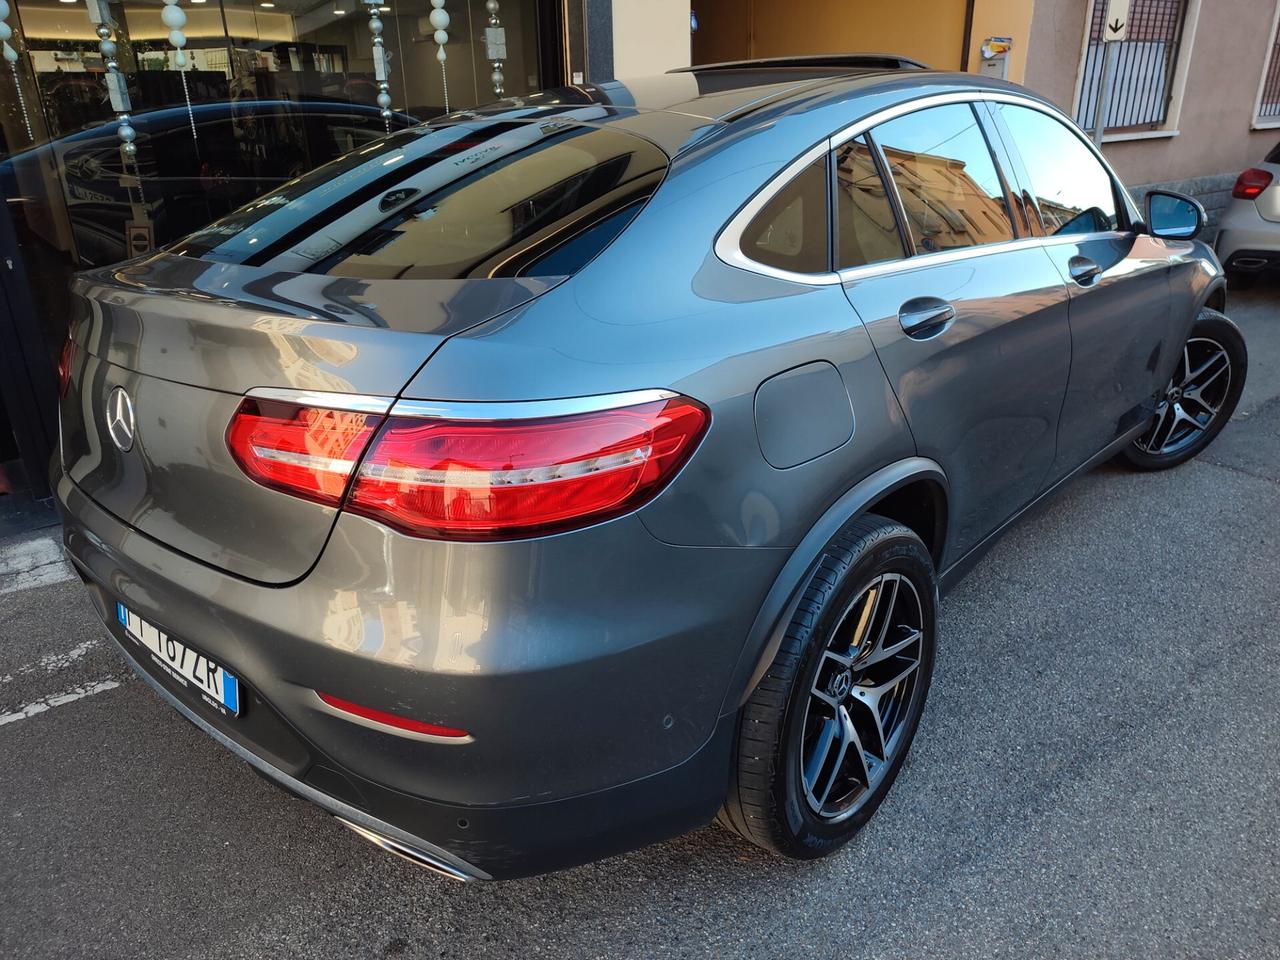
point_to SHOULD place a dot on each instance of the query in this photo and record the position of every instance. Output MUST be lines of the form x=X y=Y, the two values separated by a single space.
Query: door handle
x=1083 y=270
x=925 y=317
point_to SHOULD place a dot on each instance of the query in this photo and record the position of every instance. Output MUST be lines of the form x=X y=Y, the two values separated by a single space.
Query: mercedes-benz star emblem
x=120 y=419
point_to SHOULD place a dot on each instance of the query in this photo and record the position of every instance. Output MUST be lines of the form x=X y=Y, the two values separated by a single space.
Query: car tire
x=772 y=794
x=1212 y=336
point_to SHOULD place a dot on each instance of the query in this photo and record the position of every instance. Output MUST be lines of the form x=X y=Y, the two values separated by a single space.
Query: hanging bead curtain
x=440 y=23
x=495 y=42
x=380 y=62
x=175 y=19
x=11 y=57
x=117 y=90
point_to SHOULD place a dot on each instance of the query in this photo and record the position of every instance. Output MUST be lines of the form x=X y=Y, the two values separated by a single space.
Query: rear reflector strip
x=394 y=720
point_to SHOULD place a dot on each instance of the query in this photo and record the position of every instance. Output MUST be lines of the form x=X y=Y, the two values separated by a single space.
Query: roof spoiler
x=834 y=61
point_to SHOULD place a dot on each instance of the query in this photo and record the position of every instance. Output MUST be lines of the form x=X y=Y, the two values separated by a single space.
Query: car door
x=971 y=327
x=1123 y=346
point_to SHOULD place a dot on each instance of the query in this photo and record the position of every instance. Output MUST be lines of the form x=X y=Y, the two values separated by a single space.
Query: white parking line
x=51 y=663
x=57 y=700
x=33 y=563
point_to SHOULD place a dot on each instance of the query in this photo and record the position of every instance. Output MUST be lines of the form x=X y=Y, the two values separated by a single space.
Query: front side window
x=866 y=231
x=951 y=191
x=1072 y=189
x=790 y=231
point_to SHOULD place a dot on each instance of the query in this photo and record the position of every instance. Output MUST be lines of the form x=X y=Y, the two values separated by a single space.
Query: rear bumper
x=590 y=735
x=1246 y=242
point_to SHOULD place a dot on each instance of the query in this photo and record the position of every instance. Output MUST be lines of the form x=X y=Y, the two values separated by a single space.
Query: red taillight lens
x=498 y=479
x=1251 y=183
x=391 y=719
x=64 y=366
x=306 y=451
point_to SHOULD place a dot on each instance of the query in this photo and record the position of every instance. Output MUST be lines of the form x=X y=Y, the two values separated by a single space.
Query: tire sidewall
x=904 y=553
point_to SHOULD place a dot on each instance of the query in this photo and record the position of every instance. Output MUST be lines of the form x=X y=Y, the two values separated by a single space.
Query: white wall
x=649 y=36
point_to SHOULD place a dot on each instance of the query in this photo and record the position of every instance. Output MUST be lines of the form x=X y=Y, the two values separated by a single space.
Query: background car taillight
x=1251 y=183
x=499 y=479
x=309 y=452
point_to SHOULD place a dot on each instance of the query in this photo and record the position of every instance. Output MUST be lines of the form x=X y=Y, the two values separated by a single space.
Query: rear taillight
x=500 y=479
x=305 y=451
x=64 y=366
x=1251 y=183
x=469 y=479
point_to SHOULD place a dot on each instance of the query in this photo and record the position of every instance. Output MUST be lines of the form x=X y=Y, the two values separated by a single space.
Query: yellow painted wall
x=927 y=30
x=931 y=31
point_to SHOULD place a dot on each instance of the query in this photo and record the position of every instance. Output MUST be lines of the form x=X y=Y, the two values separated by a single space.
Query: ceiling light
x=265 y=5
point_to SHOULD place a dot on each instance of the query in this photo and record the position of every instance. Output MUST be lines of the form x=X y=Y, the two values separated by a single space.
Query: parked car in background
x=1248 y=242
x=550 y=479
x=195 y=166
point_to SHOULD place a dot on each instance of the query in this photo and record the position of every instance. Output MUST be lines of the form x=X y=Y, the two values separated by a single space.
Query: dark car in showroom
x=556 y=477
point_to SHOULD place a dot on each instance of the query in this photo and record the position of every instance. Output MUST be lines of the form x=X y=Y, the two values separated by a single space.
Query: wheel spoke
x=886 y=650
x=1194 y=397
x=848 y=740
x=818 y=759
x=1208 y=371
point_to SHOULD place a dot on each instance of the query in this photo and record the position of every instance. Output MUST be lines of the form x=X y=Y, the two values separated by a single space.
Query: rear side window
x=951 y=192
x=866 y=231
x=791 y=231
x=496 y=199
x=1073 y=191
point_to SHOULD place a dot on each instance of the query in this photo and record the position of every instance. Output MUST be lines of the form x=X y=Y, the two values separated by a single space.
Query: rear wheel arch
x=915 y=489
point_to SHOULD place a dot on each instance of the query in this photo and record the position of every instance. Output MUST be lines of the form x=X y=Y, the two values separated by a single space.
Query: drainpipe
x=968 y=35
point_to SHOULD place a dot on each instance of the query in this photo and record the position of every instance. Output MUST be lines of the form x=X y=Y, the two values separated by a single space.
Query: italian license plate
x=210 y=681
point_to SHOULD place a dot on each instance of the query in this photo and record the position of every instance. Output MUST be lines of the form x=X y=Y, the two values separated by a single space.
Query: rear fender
x=770 y=625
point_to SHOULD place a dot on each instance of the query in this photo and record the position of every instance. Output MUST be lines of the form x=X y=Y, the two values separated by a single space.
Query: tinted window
x=790 y=232
x=951 y=192
x=866 y=231
x=1072 y=189
x=496 y=199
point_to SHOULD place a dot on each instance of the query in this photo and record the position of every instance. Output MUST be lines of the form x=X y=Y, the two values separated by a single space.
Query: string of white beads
x=11 y=57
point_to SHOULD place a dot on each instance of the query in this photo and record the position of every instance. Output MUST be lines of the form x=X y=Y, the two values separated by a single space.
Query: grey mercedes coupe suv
x=551 y=478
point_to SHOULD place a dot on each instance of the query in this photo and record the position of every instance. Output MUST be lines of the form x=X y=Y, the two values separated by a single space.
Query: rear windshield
x=504 y=198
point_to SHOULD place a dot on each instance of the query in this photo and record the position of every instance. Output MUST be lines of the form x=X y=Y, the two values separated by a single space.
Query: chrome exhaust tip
x=1248 y=263
x=404 y=851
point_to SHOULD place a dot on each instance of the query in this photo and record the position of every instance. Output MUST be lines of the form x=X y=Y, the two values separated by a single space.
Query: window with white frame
x=1146 y=66
x=1267 y=111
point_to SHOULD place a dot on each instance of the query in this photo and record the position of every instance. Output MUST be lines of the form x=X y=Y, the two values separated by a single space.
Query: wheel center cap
x=1175 y=394
x=840 y=684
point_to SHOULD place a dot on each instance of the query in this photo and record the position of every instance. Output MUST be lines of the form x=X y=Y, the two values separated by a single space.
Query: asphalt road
x=1097 y=775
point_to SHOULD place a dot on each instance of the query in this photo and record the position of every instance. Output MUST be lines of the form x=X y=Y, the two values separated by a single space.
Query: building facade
x=226 y=99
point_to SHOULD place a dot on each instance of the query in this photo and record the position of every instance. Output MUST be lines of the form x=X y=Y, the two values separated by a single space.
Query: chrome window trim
x=525 y=409
x=920 y=260
x=353 y=402
x=728 y=244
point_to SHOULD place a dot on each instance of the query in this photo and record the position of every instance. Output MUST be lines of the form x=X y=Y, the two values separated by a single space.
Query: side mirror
x=1172 y=216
